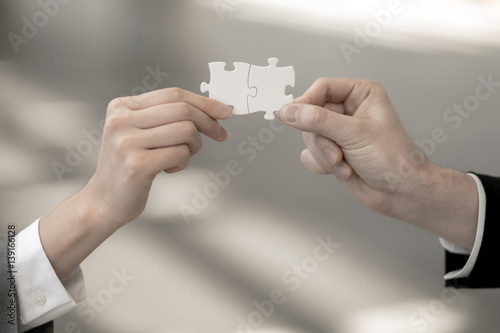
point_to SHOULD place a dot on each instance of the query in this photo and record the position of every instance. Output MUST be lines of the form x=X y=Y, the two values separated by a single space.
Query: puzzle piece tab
x=230 y=87
x=251 y=88
x=271 y=82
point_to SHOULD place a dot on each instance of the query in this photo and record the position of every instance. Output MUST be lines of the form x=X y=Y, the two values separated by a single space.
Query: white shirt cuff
x=453 y=248
x=42 y=296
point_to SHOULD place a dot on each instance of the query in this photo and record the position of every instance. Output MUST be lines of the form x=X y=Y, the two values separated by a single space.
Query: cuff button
x=40 y=299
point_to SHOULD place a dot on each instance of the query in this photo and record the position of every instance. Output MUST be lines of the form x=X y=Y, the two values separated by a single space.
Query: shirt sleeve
x=456 y=249
x=41 y=295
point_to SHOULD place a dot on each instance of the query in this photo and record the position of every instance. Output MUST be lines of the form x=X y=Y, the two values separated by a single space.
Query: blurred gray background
x=386 y=276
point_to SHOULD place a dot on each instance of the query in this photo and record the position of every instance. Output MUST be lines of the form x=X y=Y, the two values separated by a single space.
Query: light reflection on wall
x=421 y=25
x=421 y=315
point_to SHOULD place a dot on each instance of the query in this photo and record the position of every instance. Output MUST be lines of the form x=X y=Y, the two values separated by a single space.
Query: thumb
x=315 y=119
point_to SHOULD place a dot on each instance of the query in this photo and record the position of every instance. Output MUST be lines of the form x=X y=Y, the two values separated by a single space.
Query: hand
x=143 y=136
x=353 y=132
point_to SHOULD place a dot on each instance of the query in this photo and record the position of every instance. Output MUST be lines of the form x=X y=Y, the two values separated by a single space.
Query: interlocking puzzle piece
x=249 y=88
x=271 y=82
x=230 y=87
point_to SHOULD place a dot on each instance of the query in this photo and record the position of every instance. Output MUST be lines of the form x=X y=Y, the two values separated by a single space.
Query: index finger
x=316 y=119
x=348 y=92
x=211 y=107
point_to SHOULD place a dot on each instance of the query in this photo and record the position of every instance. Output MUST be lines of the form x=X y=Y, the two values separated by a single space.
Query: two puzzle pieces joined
x=250 y=88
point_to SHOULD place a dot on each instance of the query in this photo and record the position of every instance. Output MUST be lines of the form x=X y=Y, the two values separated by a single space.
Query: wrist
x=443 y=202
x=409 y=198
x=71 y=231
x=94 y=214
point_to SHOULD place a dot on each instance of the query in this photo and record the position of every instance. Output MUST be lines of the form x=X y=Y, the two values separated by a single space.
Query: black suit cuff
x=484 y=274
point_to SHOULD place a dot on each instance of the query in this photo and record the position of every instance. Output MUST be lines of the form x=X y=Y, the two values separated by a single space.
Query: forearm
x=444 y=203
x=71 y=231
x=143 y=136
x=358 y=137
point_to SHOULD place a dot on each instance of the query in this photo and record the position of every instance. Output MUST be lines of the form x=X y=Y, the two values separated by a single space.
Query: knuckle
x=213 y=128
x=318 y=140
x=314 y=119
x=175 y=93
x=322 y=143
x=184 y=109
x=125 y=143
x=196 y=147
x=375 y=85
x=323 y=81
x=183 y=165
x=134 y=102
x=133 y=164
x=306 y=136
x=189 y=128
x=362 y=132
x=309 y=139
x=182 y=154
x=129 y=102
x=113 y=123
x=115 y=120
x=115 y=103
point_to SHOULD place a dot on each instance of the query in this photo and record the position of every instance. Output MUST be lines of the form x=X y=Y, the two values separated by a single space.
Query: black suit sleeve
x=9 y=311
x=45 y=328
x=484 y=274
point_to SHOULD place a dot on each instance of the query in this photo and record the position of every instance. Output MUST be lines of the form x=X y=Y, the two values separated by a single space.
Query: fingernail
x=342 y=170
x=225 y=111
x=289 y=114
x=331 y=156
x=225 y=133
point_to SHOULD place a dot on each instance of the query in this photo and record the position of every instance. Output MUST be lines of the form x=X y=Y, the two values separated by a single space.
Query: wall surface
x=218 y=273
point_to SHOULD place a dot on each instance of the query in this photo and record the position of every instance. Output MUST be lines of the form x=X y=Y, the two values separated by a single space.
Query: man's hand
x=353 y=132
x=143 y=136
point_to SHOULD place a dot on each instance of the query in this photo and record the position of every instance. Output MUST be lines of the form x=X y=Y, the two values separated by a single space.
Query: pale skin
x=143 y=136
x=351 y=131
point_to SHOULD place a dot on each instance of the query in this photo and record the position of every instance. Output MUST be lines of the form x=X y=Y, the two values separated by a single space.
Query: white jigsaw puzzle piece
x=230 y=87
x=271 y=82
